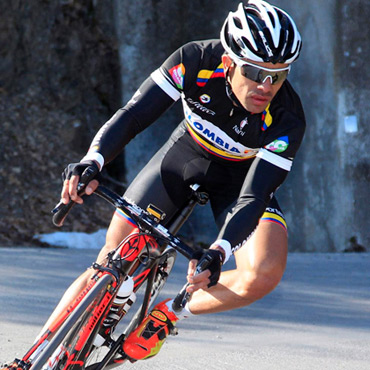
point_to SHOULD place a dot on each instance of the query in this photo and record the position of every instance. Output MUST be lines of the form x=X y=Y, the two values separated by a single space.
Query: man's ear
x=227 y=63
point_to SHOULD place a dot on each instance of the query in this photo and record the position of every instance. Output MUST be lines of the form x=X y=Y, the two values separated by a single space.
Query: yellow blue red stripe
x=205 y=74
x=126 y=217
x=272 y=217
x=266 y=118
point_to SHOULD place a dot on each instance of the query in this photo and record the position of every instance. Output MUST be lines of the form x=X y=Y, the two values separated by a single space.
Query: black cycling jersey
x=218 y=130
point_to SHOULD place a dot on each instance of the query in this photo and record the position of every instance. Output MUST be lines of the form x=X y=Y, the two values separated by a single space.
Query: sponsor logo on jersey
x=205 y=98
x=243 y=123
x=200 y=106
x=274 y=210
x=238 y=130
x=279 y=145
x=177 y=73
x=212 y=136
x=213 y=139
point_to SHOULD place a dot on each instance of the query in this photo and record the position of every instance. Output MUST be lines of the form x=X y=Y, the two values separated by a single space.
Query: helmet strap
x=229 y=90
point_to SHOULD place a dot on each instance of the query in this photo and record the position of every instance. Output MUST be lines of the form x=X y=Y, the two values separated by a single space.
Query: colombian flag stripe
x=272 y=217
x=205 y=74
x=129 y=220
x=267 y=119
x=212 y=149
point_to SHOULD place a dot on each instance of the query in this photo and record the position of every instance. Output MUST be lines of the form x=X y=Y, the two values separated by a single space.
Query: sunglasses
x=261 y=74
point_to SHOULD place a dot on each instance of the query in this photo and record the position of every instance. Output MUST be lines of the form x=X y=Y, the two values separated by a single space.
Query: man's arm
x=145 y=107
x=149 y=102
x=262 y=181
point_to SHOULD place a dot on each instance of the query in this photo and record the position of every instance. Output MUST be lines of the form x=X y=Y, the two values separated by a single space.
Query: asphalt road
x=318 y=318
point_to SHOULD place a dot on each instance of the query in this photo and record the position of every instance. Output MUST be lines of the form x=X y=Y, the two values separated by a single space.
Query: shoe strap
x=167 y=321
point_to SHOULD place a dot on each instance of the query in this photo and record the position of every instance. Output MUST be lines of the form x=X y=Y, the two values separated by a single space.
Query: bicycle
x=76 y=339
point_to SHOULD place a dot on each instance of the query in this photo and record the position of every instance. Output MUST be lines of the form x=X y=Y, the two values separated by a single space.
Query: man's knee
x=261 y=262
x=118 y=229
x=253 y=285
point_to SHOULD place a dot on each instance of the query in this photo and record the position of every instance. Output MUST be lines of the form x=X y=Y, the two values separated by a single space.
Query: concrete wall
x=326 y=196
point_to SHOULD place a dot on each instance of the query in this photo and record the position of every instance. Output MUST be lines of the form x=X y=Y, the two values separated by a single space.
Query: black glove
x=87 y=171
x=211 y=260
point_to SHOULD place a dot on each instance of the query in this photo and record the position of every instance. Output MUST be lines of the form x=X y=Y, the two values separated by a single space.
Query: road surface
x=318 y=317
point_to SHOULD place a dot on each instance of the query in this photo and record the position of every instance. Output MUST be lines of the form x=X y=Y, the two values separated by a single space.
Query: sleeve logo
x=177 y=73
x=279 y=145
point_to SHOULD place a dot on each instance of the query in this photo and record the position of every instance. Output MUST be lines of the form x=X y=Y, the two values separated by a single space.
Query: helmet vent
x=272 y=19
x=238 y=23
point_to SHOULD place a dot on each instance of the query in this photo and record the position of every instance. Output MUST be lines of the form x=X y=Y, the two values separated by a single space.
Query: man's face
x=254 y=96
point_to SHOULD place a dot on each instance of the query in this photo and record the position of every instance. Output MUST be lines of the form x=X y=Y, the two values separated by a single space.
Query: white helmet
x=261 y=32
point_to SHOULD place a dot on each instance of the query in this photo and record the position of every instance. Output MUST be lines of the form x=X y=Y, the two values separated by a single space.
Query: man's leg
x=260 y=264
x=146 y=188
x=119 y=228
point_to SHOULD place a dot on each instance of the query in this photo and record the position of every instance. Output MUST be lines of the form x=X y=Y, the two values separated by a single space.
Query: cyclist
x=243 y=124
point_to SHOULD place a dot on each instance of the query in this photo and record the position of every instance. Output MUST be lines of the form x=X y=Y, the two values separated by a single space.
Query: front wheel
x=74 y=338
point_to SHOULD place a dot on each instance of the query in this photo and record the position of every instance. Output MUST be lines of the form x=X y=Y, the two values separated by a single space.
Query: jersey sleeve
x=179 y=72
x=281 y=147
x=268 y=170
x=151 y=100
x=283 y=138
x=261 y=182
x=146 y=106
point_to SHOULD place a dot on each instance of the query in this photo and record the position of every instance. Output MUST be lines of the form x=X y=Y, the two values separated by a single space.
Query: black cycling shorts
x=165 y=181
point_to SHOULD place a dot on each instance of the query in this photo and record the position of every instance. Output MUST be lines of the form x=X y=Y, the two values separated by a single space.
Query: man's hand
x=209 y=277
x=72 y=177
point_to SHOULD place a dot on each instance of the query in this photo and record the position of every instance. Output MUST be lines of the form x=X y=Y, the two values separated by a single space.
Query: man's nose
x=266 y=85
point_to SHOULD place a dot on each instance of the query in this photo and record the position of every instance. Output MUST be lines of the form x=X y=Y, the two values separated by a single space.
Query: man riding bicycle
x=243 y=124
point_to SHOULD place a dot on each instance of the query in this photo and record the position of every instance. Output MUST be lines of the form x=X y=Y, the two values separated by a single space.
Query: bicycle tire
x=73 y=319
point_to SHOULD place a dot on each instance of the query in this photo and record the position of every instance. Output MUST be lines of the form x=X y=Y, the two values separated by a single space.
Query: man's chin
x=253 y=108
